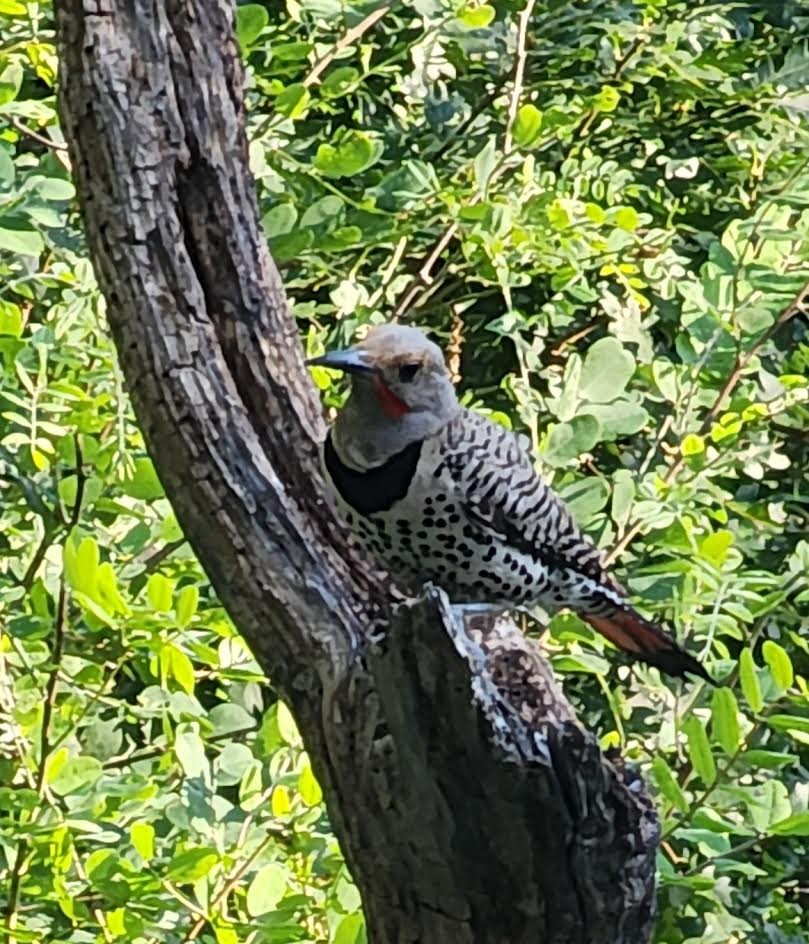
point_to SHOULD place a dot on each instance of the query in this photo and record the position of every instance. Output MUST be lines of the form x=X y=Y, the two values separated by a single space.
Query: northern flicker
x=439 y=493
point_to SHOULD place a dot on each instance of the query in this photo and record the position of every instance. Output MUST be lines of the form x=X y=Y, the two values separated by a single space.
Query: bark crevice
x=470 y=805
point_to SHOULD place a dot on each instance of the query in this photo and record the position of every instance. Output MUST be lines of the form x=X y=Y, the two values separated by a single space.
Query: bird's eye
x=407 y=372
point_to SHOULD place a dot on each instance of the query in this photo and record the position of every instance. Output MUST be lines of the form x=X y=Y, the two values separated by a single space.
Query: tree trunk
x=470 y=805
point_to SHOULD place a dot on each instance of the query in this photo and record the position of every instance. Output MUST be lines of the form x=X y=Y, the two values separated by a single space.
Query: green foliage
x=612 y=247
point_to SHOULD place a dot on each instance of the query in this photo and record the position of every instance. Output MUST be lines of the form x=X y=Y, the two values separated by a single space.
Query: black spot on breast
x=380 y=487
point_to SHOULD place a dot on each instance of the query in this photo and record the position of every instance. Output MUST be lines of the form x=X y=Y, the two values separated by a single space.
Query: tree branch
x=469 y=804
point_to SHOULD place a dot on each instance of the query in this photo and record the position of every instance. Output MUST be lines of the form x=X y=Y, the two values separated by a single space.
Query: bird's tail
x=646 y=641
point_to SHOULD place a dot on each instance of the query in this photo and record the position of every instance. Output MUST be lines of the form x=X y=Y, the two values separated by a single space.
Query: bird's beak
x=351 y=360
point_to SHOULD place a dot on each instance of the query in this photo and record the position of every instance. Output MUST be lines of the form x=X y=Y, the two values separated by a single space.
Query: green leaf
x=352 y=153
x=351 y=930
x=268 y=887
x=142 y=835
x=77 y=775
x=176 y=664
x=476 y=17
x=715 y=547
x=10 y=81
x=107 y=592
x=190 y=751
x=291 y=245
x=279 y=220
x=748 y=678
x=21 y=239
x=7 y=169
x=323 y=211
x=81 y=565
x=692 y=445
x=619 y=418
x=143 y=483
x=308 y=787
x=52 y=188
x=607 y=99
x=779 y=663
x=10 y=319
x=286 y=725
x=725 y=720
x=699 y=750
x=585 y=498
x=569 y=440
x=339 y=81
x=251 y=20
x=12 y=8
x=606 y=371
x=293 y=101
x=791 y=723
x=191 y=865
x=186 y=606
x=280 y=802
x=627 y=219
x=232 y=763
x=767 y=759
x=484 y=165
x=795 y=825
x=160 y=591
x=667 y=784
x=623 y=494
x=527 y=126
x=229 y=717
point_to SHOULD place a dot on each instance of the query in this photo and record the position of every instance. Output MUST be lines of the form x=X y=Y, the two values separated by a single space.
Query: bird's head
x=397 y=370
x=400 y=393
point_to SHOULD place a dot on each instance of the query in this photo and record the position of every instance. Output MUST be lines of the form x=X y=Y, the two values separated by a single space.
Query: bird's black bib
x=380 y=487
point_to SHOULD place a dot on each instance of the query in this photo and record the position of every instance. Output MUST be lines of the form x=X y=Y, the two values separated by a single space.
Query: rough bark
x=469 y=803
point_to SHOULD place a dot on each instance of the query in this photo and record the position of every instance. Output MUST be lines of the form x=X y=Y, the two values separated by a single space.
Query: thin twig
x=350 y=36
x=425 y=272
x=425 y=276
x=232 y=881
x=35 y=136
x=699 y=802
x=152 y=560
x=455 y=344
x=758 y=221
x=57 y=649
x=52 y=535
x=48 y=539
x=440 y=246
x=586 y=124
x=152 y=752
x=577 y=335
x=519 y=72
x=435 y=155
x=797 y=306
x=58 y=646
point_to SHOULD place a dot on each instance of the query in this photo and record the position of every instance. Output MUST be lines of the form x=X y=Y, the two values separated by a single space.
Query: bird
x=438 y=493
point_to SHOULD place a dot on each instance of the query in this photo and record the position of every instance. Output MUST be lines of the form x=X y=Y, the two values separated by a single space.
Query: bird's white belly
x=431 y=539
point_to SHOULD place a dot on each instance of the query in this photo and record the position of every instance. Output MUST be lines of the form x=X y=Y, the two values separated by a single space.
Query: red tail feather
x=631 y=633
